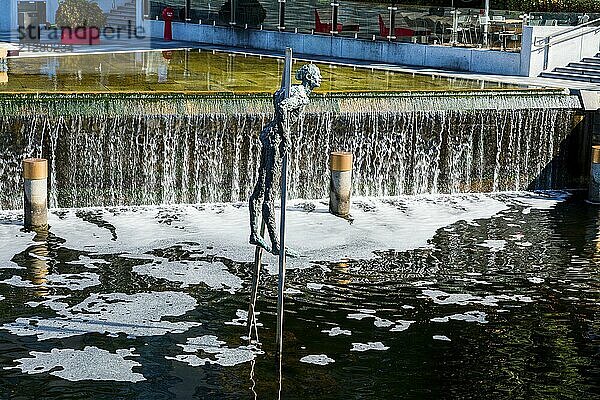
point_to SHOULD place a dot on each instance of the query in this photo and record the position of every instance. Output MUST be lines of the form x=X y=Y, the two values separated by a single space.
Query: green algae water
x=203 y=71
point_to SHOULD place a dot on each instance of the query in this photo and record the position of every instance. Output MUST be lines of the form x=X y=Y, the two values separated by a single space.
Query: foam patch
x=138 y=314
x=317 y=359
x=214 y=275
x=91 y=363
x=211 y=345
x=368 y=346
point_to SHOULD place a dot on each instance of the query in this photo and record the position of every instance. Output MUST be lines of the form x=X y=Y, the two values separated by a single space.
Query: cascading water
x=117 y=150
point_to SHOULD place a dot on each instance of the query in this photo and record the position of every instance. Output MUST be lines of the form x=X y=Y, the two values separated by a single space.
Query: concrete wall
x=559 y=55
x=443 y=57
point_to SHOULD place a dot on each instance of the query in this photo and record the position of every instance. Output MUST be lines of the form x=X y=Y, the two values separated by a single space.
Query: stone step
x=570 y=77
x=578 y=71
x=593 y=60
x=583 y=65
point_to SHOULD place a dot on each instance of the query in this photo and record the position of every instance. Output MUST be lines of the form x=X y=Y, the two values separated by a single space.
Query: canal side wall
x=442 y=57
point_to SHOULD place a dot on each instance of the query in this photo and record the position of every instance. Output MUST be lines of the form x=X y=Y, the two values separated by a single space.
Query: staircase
x=122 y=17
x=586 y=70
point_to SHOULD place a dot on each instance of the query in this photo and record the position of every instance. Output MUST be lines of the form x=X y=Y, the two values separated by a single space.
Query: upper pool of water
x=204 y=71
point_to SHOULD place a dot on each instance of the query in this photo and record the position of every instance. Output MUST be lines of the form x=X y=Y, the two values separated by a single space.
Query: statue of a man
x=276 y=136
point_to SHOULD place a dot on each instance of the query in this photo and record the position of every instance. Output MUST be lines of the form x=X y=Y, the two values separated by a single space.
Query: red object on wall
x=167 y=15
x=80 y=35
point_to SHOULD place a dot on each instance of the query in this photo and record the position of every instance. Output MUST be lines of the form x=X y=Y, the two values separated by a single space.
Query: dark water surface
x=499 y=307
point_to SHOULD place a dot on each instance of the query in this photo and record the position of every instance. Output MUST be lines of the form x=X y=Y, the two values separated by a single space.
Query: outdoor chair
x=324 y=27
x=384 y=31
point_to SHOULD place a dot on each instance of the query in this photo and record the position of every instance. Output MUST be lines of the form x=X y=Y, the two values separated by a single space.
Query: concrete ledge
x=443 y=57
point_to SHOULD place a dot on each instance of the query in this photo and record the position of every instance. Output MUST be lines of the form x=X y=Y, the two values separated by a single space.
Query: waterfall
x=116 y=150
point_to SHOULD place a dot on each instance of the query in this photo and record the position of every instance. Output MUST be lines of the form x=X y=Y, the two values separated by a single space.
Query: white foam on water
x=213 y=274
x=539 y=200
x=18 y=281
x=292 y=291
x=535 y=279
x=2 y=297
x=368 y=346
x=400 y=223
x=469 y=316
x=407 y=307
x=382 y=223
x=401 y=325
x=382 y=323
x=335 y=331
x=317 y=286
x=360 y=316
x=73 y=281
x=493 y=245
x=90 y=263
x=317 y=359
x=91 y=363
x=12 y=240
x=441 y=337
x=242 y=319
x=66 y=281
x=138 y=314
x=223 y=355
x=441 y=297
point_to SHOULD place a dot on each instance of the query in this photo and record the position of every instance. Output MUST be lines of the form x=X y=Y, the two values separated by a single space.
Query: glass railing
x=560 y=19
x=463 y=27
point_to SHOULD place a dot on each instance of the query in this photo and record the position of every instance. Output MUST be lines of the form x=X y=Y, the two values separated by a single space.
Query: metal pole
x=392 y=31
x=254 y=288
x=233 y=4
x=486 y=24
x=454 y=38
x=188 y=10
x=287 y=80
x=334 y=17
x=281 y=26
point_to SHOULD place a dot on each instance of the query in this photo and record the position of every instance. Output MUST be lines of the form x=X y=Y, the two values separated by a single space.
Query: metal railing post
x=233 y=17
x=392 y=33
x=281 y=24
x=334 y=17
x=546 y=52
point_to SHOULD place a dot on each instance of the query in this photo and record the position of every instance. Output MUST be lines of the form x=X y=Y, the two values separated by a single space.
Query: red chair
x=385 y=31
x=324 y=27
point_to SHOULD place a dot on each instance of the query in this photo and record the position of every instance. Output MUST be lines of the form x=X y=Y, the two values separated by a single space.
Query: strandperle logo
x=88 y=33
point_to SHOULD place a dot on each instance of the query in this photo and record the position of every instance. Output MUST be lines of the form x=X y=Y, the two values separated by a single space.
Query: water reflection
x=205 y=71
x=38 y=269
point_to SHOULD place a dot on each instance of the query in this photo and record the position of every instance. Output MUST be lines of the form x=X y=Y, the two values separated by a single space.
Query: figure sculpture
x=274 y=138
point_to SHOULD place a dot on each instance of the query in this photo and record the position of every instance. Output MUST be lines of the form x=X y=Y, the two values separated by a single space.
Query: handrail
x=545 y=41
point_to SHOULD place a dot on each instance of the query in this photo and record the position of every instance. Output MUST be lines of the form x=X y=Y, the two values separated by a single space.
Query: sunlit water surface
x=461 y=296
